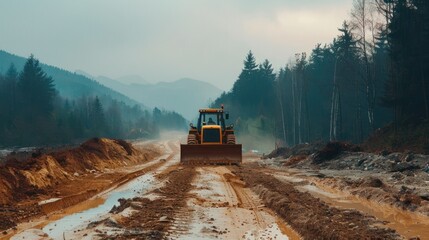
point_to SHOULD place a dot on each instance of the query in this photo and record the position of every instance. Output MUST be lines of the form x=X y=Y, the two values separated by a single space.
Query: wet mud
x=309 y=216
x=154 y=218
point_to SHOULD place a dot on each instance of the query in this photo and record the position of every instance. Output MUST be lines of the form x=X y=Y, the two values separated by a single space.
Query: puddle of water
x=70 y=223
x=314 y=189
x=290 y=179
x=49 y=201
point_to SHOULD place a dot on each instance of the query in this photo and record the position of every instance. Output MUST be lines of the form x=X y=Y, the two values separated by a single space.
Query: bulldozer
x=211 y=141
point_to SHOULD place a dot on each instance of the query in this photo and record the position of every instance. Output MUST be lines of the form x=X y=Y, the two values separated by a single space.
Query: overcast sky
x=164 y=40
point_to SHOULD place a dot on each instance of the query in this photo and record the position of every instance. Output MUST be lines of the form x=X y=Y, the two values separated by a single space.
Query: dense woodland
x=33 y=113
x=374 y=73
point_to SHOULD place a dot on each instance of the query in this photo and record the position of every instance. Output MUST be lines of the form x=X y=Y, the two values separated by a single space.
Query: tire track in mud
x=160 y=217
x=246 y=201
x=310 y=217
x=225 y=209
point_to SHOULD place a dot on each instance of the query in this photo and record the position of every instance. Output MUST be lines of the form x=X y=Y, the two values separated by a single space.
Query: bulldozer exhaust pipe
x=210 y=154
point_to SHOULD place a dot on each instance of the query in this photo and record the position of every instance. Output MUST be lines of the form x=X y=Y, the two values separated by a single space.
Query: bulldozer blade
x=210 y=154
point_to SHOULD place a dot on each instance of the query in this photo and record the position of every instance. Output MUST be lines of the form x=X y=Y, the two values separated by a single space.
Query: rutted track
x=210 y=202
x=312 y=218
x=189 y=202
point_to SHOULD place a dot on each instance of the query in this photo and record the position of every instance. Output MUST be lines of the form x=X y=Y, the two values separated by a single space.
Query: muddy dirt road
x=160 y=199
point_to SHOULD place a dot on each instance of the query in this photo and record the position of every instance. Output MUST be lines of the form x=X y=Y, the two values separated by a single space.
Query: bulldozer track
x=248 y=202
x=180 y=224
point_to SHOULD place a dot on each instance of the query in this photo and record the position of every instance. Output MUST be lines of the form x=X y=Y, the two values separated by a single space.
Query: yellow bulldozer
x=211 y=141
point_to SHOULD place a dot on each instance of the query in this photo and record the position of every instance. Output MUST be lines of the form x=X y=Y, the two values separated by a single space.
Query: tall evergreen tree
x=346 y=103
x=408 y=87
x=265 y=85
x=37 y=90
x=114 y=120
x=8 y=98
x=98 y=120
x=244 y=88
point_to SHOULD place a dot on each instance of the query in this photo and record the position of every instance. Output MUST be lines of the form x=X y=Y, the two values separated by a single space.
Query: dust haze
x=258 y=143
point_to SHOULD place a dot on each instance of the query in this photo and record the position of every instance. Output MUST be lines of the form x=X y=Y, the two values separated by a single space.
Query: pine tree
x=114 y=120
x=407 y=88
x=97 y=118
x=37 y=90
x=244 y=88
x=346 y=105
x=265 y=92
x=8 y=97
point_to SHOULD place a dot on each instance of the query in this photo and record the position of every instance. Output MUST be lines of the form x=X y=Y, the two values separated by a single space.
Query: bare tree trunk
x=359 y=130
x=299 y=87
x=425 y=95
x=280 y=98
x=360 y=19
x=334 y=106
x=293 y=108
x=339 y=118
x=306 y=112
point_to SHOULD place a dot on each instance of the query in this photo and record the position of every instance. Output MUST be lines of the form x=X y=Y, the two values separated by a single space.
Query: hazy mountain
x=129 y=79
x=69 y=85
x=184 y=96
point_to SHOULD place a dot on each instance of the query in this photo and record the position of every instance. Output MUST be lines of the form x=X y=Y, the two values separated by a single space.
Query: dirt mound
x=304 y=149
x=332 y=150
x=317 y=153
x=373 y=182
x=29 y=179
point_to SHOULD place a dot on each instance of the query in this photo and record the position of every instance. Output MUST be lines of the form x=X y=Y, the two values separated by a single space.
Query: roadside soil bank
x=45 y=183
x=392 y=187
x=71 y=222
x=397 y=179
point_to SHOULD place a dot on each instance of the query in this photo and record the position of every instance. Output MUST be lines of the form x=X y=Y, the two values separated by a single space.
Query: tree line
x=373 y=73
x=32 y=113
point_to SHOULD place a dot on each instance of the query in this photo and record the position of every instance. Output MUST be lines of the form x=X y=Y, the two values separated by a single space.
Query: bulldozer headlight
x=191 y=125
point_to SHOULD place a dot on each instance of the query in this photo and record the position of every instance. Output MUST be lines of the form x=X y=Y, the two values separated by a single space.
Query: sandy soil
x=161 y=199
x=72 y=195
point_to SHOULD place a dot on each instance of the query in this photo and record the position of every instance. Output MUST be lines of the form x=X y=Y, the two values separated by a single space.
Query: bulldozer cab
x=211 y=117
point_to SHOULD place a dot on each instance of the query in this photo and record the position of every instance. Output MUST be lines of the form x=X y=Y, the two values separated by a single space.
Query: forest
x=370 y=80
x=32 y=113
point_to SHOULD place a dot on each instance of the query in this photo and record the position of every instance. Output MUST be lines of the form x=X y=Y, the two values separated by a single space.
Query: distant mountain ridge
x=69 y=85
x=184 y=96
